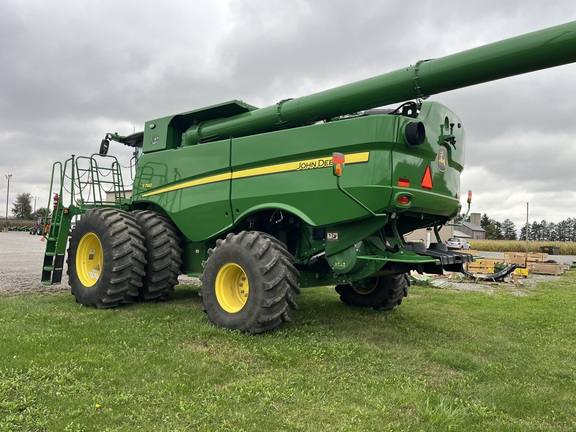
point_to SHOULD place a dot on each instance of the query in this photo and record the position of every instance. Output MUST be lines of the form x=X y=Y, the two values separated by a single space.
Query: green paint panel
x=191 y=185
x=298 y=175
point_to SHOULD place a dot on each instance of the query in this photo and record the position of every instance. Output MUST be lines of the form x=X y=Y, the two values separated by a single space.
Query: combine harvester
x=317 y=190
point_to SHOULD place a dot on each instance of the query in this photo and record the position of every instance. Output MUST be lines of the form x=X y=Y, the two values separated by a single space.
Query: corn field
x=566 y=248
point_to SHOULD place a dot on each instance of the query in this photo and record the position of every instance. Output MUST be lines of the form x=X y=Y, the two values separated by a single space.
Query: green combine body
x=258 y=203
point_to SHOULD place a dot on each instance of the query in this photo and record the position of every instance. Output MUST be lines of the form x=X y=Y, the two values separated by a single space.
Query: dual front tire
x=117 y=257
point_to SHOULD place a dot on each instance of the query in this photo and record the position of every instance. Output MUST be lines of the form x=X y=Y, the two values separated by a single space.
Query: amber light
x=404 y=182
x=338 y=160
x=403 y=200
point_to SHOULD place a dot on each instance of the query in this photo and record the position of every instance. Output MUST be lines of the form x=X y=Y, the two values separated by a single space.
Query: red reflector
x=427 y=179
x=404 y=182
x=338 y=158
x=403 y=200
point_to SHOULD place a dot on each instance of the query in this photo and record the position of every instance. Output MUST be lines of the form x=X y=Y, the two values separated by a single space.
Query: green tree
x=536 y=231
x=508 y=230
x=485 y=221
x=523 y=233
x=42 y=211
x=552 y=234
x=494 y=231
x=22 y=208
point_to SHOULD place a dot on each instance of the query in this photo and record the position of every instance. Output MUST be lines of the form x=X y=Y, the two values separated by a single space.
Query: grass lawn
x=443 y=360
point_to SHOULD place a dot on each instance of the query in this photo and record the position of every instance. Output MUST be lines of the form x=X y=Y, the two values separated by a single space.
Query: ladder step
x=57 y=276
x=59 y=261
x=46 y=276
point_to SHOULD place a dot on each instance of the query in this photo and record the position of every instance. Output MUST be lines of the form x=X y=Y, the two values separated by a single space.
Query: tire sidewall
x=86 y=295
x=352 y=297
x=243 y=319
x=161 y=277
x=389 y=292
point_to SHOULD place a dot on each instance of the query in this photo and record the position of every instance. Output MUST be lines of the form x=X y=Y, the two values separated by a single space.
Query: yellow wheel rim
x=89 y=259
x=232 y=287
x=366 y=289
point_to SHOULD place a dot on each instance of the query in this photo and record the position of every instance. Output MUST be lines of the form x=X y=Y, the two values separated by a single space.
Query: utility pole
x=35 y=199
x=526 y=260
x=8 y=177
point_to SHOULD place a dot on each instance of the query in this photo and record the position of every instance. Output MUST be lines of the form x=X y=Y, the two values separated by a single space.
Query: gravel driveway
x=21 y=259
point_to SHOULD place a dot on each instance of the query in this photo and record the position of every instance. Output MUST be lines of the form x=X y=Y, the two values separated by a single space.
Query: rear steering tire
x=382 y=292
x=106 y=258
x=249 y=283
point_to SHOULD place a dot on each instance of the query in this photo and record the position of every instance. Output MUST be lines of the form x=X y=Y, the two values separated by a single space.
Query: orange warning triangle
x=427 y=179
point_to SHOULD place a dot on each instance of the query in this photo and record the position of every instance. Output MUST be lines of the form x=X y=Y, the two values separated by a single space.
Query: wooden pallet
x=554 y=269
x=519 y=258
x=483 y=265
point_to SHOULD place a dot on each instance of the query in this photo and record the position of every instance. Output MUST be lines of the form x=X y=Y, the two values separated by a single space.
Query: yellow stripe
x=302 y=165
x=272 y=169
x=199 y=182
x=357 y=157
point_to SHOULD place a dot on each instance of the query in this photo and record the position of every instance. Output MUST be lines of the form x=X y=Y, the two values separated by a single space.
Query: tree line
x=564 y=231
x=22 y=207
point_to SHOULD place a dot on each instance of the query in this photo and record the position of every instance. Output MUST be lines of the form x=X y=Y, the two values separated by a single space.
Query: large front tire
x=106 y=258
x=249 y=283
x=382 y=292
x=163 y=256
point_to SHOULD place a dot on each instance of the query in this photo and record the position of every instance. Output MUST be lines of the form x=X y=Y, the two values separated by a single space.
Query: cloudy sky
x=70 y=71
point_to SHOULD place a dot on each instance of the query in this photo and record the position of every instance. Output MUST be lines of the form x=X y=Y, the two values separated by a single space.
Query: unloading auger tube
x=541 y=49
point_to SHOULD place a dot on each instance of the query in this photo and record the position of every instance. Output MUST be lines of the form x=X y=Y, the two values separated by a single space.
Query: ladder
x=56 y=247
x=80 y=184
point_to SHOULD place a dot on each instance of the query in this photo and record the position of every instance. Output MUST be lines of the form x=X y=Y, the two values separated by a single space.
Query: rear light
x=338 y=161
x=403 y=200
x=404 y=182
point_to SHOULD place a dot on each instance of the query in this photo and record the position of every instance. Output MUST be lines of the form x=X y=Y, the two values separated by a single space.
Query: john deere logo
x=442 y=159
